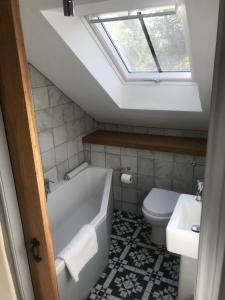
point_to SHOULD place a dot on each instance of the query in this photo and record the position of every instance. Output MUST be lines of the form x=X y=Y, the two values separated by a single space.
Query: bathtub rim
x=101 y=216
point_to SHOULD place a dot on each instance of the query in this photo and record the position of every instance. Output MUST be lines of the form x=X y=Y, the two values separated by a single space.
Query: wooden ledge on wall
x=181 y=145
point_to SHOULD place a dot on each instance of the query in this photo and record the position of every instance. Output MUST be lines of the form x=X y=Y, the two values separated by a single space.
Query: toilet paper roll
x=126 y=178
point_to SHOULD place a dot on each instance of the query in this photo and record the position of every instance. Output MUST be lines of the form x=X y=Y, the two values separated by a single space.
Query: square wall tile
x=79 y=127
x=40 y=98
x=87 y=147
x=79 y=143
x=81 y=157
x=116 y=180
x=60 y=135
x=129 y=195
x=163 y=169
x=129 y=152
x=44 y=119
x=73 y=162
x=71 y=132
x=145 y=183
x=130 y=207
x=89 y=124
x=98 y=159
x=182 y=158
x=68 y=114
x=78 y=112
x=48 y=159
x=117 y=204
x=141 y=196
x=72 y=148
x=37 y=79
x=182 y=186
x=163 y=183
x=112 y=150
x=57 y=116
x=129 y=162
x=61 y=153
x=46 y=141
x=97 y=148
x=145 y=166
x=117 y=193
x=113 y=161
x=199 y=173
x=62 y=169
x=146 y=154
x=164 y=156
x=87 y=156
x=56 y=97
x=200 y=160
x=183 y=171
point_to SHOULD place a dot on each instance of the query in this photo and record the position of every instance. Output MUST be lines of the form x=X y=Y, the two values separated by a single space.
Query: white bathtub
x=85 y=199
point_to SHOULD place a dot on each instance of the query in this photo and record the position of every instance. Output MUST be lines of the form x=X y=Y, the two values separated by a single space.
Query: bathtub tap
x=47 y=182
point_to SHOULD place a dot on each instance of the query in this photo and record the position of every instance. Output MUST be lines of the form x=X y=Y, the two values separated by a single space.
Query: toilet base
x=159 y=235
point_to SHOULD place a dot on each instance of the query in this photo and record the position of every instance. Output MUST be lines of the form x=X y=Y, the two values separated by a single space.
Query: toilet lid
x=160 y=202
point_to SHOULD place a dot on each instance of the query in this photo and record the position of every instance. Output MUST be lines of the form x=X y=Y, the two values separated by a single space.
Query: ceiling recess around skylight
x=147 y=44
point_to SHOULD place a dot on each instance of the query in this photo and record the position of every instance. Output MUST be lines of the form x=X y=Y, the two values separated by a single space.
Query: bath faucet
x=200 y=185
x=47 y=185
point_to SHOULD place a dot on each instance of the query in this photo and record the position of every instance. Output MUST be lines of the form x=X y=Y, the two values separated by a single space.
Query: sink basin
x=179 y=236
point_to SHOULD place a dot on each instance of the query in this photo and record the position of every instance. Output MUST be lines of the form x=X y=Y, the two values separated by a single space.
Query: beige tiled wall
x=61 y=125
x=149 y=168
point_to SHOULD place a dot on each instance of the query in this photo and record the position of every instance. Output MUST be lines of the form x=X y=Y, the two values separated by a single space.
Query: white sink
x=179 y=236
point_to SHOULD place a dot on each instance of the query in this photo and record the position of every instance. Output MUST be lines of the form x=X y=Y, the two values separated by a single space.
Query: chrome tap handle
x=200 y=186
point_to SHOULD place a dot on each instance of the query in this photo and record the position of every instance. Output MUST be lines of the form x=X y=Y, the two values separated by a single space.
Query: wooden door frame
x=20 y=126
x=18 y=114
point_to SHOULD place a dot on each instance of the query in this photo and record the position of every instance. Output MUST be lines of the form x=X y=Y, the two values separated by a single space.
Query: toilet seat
x=160 y=203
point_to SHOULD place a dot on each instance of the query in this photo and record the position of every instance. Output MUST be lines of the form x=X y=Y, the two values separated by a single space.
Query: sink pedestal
x=187 y=279
x=182 y=240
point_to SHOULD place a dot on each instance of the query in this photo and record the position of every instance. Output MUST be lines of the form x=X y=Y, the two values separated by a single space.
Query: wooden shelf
x=182 y=145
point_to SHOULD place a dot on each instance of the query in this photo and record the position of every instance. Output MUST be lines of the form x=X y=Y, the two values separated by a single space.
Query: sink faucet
x=200 y=185
x=47 y=185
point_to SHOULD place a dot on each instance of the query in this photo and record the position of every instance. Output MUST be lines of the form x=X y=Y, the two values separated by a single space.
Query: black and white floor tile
x=137 y=268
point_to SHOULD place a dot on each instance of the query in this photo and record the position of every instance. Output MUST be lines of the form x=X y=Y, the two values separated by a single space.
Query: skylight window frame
x=118 y=61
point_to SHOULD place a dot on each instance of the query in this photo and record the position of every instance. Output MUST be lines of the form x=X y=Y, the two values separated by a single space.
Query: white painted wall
x=164 y=96
x=51 y=50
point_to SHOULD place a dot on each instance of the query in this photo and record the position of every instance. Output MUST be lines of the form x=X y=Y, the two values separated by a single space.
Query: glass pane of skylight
x=129 y=40
x=167 y=37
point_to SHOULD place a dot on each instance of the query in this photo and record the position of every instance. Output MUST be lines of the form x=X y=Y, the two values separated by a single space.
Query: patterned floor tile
x=137 y=269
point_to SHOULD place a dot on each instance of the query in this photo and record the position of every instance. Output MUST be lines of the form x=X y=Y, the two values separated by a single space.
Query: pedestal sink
x=182 y=240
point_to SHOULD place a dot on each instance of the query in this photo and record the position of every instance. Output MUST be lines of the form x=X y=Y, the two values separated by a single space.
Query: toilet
x=157 y=209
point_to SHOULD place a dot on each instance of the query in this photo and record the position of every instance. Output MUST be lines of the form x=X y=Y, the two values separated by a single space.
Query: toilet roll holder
x=125 y=170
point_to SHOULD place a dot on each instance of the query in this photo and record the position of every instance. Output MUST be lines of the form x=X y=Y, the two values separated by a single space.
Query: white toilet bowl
x=157 y=209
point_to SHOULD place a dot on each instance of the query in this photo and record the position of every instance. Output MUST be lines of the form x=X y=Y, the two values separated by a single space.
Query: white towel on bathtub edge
x=80 y=250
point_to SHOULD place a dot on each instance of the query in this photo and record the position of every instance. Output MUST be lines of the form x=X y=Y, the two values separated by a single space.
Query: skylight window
x=149 y=42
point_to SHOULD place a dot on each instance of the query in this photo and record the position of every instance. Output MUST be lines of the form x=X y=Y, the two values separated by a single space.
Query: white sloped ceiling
x=65 y=51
